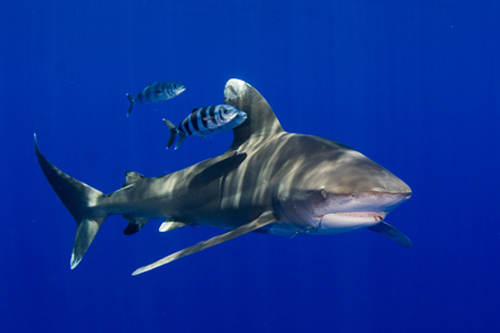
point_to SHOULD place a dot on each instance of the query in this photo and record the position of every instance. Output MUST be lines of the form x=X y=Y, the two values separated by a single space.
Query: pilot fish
x=156 y=92
x=205 y=121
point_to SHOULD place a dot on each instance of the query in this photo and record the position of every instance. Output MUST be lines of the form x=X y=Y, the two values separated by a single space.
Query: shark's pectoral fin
x=171 y=225
x=389 y=231
x=263 y=220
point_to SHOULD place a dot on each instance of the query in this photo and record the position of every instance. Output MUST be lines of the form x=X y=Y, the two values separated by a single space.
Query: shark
x=268 y=181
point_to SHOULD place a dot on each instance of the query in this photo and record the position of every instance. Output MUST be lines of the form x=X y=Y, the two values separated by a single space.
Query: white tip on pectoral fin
x=263 y=220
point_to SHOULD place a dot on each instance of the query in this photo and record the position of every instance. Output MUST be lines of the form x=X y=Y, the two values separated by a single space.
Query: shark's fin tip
x=389 y=231
x=170 y=225
x=137 y=271
x=74 y=261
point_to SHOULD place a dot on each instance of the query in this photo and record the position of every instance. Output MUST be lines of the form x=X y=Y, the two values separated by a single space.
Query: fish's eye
x=323 y=194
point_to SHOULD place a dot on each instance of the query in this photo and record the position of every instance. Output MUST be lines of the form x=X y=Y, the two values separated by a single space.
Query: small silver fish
x=156 y=92
x=205 y=121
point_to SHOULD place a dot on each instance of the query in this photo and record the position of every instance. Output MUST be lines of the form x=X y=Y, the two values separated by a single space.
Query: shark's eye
x=323 y=194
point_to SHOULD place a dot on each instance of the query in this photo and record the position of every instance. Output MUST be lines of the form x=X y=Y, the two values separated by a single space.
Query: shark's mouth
x=377 y=216
x=346 y=221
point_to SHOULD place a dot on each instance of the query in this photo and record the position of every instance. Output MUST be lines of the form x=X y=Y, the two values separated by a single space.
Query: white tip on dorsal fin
x=261 y=122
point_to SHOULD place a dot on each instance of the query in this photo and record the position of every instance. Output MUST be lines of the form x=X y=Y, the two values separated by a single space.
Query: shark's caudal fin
x=261 y=121
x=79 y=199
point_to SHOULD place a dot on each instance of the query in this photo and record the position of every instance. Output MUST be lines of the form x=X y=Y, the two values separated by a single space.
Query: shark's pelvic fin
x=389 y=231
x=171 y=225
x=261 y=122
x=134 y=224
x=263 y=220
x=80 y=199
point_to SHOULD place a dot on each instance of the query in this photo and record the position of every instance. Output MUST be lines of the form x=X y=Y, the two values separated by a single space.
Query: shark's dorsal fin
x=261 y=122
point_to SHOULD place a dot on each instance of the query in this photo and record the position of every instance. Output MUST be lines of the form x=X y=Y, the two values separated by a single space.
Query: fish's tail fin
x=182 y=137
x=80 y=199
x=132 y=102
x=173 y=132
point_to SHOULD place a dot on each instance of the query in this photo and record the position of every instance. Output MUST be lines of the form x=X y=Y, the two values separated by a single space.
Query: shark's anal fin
x=263 y=220
x=389 y=231
x=171 y=225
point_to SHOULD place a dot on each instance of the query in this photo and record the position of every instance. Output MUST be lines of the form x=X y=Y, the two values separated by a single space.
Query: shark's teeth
x=377 y=216
x=347 y=221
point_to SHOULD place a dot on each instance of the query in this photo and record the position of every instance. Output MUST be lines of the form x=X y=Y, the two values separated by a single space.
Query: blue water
x=414 y=85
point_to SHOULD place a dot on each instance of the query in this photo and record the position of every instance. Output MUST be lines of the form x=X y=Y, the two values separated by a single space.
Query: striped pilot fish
x=205 y=121
x=156 y=92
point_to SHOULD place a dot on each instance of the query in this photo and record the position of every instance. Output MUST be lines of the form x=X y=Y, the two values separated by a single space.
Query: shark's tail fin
x=80 y=199
x=132 y=102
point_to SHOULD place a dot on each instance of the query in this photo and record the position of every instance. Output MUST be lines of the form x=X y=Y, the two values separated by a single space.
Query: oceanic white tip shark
x=268 y=181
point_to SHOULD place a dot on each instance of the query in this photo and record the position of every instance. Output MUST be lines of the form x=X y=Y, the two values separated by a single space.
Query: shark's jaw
x=366 y=211
x=337 y=213
x=343 y=222
x=329 y=224
x=340 y=222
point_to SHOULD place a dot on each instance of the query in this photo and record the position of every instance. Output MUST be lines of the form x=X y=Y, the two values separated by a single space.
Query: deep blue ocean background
x=414 y=85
